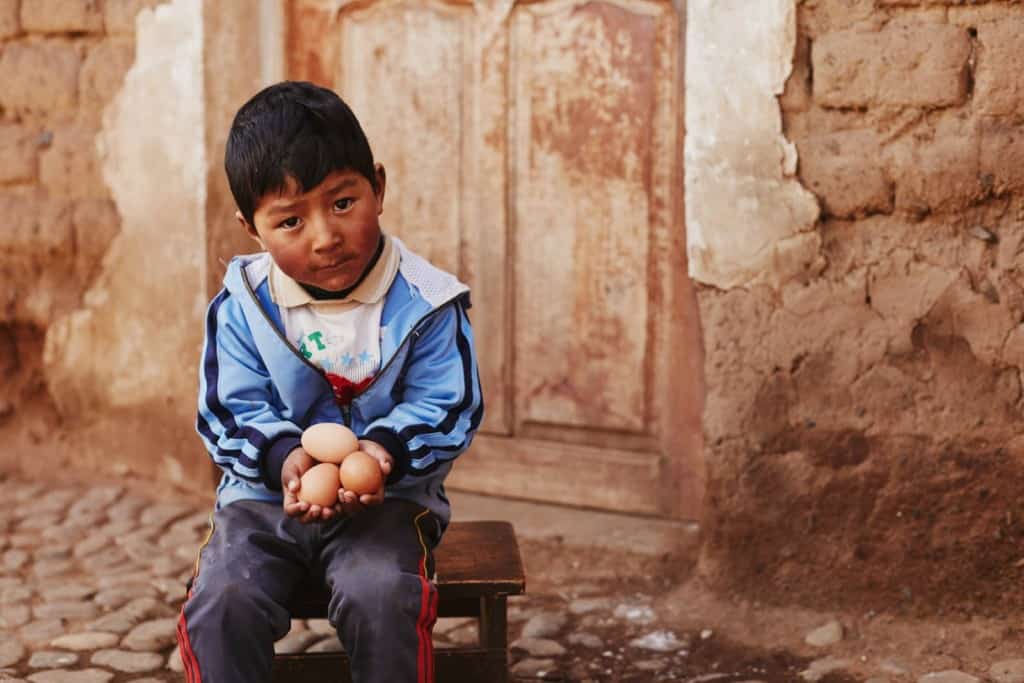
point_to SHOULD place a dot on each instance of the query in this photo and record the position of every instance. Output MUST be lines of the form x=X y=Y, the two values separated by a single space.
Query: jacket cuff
x=274 y=459
x=396 y=447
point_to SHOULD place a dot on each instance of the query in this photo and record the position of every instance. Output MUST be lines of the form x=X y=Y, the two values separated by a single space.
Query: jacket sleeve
x=439 y=405
x=243 y=432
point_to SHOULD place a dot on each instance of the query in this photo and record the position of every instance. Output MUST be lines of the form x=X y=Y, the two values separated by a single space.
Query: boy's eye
x=343 y=204
x=290 y=223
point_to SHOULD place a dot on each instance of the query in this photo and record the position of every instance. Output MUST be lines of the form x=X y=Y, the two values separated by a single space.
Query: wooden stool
x=478 y=566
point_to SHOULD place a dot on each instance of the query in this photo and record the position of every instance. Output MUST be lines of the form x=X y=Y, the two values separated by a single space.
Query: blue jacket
x=257 y=393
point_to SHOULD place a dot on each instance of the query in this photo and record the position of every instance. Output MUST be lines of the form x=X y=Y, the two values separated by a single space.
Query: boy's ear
x=249 y=228
x=382 y=178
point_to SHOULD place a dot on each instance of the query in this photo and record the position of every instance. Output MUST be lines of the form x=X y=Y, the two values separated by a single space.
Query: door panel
x=582 y=108
x=534 y=148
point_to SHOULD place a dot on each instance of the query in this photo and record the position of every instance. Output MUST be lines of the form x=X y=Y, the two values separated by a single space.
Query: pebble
x=638 y=614
x=465 y=635
x=93 y=543
x=112 y=598
x=819 y=668
x=587 y=640
x=650 y=664
x=41 y=631
x=50 y=568
x=544 y=625
x=588 y=605
x=449 y=624
x=321 y=626
x=538 y=647
x=52 y=551
x=152 y=636
x=11 y=652
x=46 y=659
x=660 y=641
x=131 y=615
x=66 y=591
x=13 y=616
x=329 y=644
x=894 y=668
x=1007 y=671
x=66 y=610
x=174 y=662
x=296 y=641
x=823 y=636
x=91 y=640
x=129 y=662
x=535 y=668
x=15 y=594
x=14 y=559
x=948 y=676
x=65 y=676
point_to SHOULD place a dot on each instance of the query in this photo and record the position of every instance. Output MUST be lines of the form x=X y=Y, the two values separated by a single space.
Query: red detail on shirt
x=345 y=390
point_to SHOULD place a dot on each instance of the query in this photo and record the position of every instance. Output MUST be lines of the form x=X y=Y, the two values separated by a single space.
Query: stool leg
x=494 y=629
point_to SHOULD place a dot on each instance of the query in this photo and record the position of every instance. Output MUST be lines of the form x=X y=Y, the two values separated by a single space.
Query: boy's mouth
x=335 y=265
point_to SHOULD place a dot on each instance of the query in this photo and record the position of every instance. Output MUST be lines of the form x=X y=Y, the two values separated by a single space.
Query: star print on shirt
x=347 y=360
x=365 y=357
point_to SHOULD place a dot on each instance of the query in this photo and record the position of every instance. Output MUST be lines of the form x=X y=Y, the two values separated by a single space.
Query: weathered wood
x=463 y=665
x=619 y=480
x=493 y=621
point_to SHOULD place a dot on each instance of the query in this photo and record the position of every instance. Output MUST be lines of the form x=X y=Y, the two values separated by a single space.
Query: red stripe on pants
x=188 y=658
x=424 y=626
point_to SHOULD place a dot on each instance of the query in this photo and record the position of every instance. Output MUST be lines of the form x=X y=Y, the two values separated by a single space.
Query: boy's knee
x=232 y=599
x=383 y=590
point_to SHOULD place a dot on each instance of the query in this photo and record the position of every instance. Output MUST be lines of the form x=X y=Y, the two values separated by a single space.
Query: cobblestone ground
x=91 y=584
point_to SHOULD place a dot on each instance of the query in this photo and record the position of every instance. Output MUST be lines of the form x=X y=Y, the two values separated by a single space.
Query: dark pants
x=377 y=564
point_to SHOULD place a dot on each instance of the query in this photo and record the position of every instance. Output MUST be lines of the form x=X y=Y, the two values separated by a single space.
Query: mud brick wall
x=61 y=61
x=863 y=421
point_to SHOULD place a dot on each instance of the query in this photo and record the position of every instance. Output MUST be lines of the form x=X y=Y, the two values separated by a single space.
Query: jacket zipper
x=346 y=411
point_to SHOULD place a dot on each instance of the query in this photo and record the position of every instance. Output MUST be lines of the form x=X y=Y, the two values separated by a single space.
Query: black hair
x=292 y=130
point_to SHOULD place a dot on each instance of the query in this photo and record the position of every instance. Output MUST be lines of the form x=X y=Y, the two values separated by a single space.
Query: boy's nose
x=325 y=235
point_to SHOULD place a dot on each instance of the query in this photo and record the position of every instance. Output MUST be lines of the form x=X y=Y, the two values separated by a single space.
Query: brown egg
x=329 y=442
x=361 y=473
x=319 y=485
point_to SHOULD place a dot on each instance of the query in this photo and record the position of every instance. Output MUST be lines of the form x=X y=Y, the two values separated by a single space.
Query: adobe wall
x=106 y=113
x=864 y=399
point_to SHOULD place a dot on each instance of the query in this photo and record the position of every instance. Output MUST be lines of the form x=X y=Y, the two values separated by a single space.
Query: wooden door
x=534 y=148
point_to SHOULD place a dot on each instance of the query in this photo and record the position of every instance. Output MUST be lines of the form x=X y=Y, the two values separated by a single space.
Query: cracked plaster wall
x=118 y=364
x=864 y=399
x=113 y=117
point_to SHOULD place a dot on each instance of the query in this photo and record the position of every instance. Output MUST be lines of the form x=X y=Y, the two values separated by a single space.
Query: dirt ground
x=738 y=639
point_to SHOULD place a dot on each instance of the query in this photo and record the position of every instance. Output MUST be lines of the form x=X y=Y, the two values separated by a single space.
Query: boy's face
x=326 y=236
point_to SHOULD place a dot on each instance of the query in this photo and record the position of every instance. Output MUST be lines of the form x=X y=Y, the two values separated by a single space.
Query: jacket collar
x=287 y=293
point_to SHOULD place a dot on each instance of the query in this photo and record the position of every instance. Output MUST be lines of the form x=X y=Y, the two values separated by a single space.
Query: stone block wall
x=863 y=417
x=61 y=62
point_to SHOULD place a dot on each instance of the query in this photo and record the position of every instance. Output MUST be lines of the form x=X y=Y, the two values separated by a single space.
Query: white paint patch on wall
x=748 y=219
x=137 y=337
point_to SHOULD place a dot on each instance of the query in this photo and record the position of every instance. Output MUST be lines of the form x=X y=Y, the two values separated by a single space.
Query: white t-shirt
x=340 y=336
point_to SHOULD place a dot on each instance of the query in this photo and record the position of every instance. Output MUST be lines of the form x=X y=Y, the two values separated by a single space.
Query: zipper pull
x=346 y=414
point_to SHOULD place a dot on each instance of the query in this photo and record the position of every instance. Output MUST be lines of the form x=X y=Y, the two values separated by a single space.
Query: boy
x=333 y=321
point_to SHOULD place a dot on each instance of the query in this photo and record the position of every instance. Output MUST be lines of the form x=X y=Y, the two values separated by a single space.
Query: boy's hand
x=352 y=503
x=295 y=465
